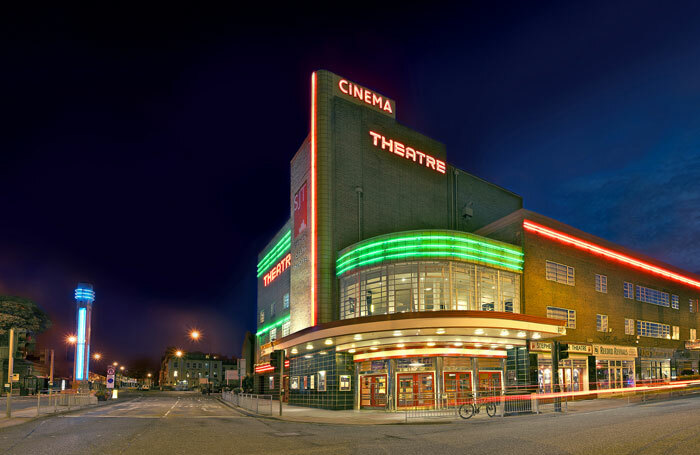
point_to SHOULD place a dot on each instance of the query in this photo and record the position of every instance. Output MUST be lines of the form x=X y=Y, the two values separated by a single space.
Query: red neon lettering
x=410 y=153
x=357 y=92
x=398 y=148
x=386 y=143
x=277 y=269
x=364 y=95
x=376 y=100
x=407 y=152
x=340 y=85
x=387 y=107
x=440 y=166
x=368 y=97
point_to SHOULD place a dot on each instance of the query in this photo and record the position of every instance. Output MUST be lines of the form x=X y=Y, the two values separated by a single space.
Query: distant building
x=194 y=369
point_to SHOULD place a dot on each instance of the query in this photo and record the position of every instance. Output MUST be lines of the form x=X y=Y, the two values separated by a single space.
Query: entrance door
x=373 y=391
x=458 y=387
x=490 y=382
x=415 y=390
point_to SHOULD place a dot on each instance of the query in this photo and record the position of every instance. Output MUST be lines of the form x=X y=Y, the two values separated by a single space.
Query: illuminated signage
x=365 y=95
x=546 y=346
x=410 y=153
x=80 y=347
x=278 y=269
x=300 y=212
x=604 y=350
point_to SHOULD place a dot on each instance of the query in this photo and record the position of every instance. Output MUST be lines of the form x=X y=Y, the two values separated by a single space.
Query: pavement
x=181 y=422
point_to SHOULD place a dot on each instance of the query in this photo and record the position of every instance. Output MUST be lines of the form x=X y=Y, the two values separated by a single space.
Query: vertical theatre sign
x=300 y=211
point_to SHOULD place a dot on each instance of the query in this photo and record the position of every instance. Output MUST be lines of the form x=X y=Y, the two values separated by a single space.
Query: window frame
x=560 y=273
x=601 y=283
x=568 y=319
x=601 y=323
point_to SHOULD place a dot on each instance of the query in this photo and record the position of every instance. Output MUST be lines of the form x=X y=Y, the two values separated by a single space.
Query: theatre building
x=400 y=281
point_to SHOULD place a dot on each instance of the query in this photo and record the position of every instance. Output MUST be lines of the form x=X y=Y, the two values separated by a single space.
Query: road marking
x=150 y=417
x=171 y=408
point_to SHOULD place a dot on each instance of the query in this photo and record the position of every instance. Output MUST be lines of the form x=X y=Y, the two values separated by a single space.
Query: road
x=174 y=423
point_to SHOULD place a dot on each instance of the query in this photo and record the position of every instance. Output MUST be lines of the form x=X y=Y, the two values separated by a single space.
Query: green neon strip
x=272 y=326
x=342 y=264
x=430 y=238
x=413 y=245
x=280 y=248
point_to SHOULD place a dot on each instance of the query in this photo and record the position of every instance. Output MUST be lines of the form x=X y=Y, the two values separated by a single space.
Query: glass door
x=458 y=387
x=490 y=382
x=415 y=390
x=373 y=391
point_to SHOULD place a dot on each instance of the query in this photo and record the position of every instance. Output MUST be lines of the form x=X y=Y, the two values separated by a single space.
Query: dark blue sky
x=147 y=151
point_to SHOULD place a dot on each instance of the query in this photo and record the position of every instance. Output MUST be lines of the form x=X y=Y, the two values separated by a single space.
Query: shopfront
x=654 y=365
x=573 y=372
x=614 y=366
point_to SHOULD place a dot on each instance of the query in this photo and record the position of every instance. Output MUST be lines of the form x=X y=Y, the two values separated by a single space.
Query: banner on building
x=300 y=210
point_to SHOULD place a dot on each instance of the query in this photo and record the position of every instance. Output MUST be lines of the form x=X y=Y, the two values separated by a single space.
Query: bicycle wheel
x=491 y=409
x=466 y=411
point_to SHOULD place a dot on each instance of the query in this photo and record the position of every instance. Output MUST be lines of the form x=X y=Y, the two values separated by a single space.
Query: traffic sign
x=110 y=370
x=110 y=381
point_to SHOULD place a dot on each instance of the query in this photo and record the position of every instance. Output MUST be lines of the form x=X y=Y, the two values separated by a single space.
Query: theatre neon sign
x=408 y=152
x=365 y=95
x=277 y=269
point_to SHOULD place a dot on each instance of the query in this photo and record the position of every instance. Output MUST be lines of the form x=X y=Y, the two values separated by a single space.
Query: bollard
x=38 y=403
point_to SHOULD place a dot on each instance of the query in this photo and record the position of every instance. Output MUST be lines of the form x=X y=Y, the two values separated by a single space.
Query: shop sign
x=695 y=344
x=408 y=152
x=546 y=346
x=605 y=350
x=657 y=353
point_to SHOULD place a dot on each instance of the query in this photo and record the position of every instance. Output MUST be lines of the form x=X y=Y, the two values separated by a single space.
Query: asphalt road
x=174 y=423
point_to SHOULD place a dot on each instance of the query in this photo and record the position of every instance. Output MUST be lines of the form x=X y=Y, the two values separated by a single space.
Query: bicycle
x=469 y=409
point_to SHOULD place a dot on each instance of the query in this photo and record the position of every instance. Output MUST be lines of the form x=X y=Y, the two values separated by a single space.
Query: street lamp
x=97 y=356
x=71 y=339
x=178 y=353
x=195 y=334
x=121 y=368
x=115 y=363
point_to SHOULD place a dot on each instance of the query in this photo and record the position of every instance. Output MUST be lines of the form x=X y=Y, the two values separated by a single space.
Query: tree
x=22 y=315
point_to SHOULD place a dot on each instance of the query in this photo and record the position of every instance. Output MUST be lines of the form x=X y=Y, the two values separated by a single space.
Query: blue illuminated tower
x=84 y=296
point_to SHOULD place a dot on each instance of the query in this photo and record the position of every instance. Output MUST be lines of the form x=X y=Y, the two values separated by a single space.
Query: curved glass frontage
x=427 y=286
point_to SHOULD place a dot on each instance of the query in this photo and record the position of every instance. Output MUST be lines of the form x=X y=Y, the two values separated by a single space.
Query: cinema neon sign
x=277 y=269
x=365 y=95
x=408 y=152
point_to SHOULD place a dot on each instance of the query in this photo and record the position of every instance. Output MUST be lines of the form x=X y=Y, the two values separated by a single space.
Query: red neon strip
x=593 y=248
x=313 y=198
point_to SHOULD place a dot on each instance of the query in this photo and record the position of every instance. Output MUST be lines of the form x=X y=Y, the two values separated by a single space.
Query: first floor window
x=693 y=334
x=273 y=334
x=676 y=333
x=601 y=283
x=602 y=322
x=285 y=328
x=563 y=314
x=629 y=326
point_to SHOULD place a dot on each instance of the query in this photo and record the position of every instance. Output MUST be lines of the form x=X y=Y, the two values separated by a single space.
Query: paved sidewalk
x=376 y=417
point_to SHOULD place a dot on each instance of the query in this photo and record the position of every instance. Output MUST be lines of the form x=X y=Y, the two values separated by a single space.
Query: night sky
x=147 y=151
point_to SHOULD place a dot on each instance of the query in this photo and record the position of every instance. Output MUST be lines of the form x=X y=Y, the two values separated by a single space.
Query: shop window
x=693 y=334
x=563 y=314
x=674 y=302
x=271 y=382
x=601 y=283
x=628 y=290
x=560 y=273
x=321 y=381
x=629 y=326
x=602 y=322
x=676 y=333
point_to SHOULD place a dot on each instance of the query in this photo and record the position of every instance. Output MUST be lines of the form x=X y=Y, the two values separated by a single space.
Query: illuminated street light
x=149 y=375
x=97 y=356
x=72 y=339
x=178 y=353
x=115 y=363
x=195 y=334
x=121 y=368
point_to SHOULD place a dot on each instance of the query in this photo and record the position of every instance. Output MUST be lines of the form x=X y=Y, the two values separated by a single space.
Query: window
x=272 y=310
x=693 y=303
x=273 y=334
x=674 y=302
x=560 y=273
x=271 y=379
x=629 y=326
x=693 y=334
x=563 y=314
x=601 y=283
x=262 y=316
x=285 y=301
x=653 y=329
x=601 y=322
x=285 y=328
x=649 y=295
x=676 y=333
x=629 y=290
